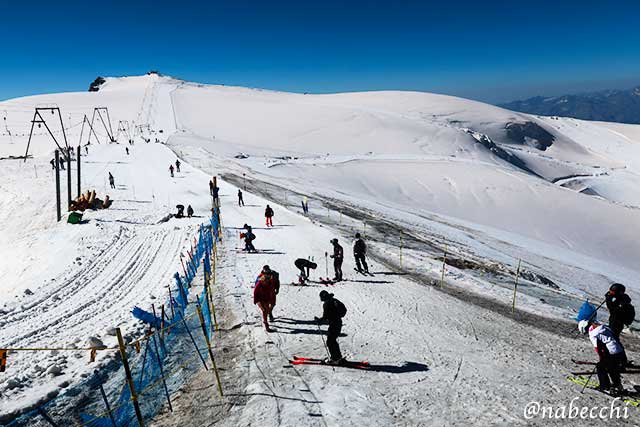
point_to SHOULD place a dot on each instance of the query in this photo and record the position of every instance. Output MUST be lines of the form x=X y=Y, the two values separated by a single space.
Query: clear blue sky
x=482 y=49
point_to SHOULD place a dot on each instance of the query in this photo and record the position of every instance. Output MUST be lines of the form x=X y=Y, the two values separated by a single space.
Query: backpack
x=627 y=314
x=359 y=247
x=251 y=237
x=339 y=308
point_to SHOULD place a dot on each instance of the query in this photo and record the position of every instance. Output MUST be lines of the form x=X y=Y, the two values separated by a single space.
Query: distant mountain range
x=608 y=105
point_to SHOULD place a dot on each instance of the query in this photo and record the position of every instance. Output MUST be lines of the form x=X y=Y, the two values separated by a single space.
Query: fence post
x=515 y=288
x=106 y=403
x=127 y=372
x=213 y=361
x=400 y=250
x=444 y=265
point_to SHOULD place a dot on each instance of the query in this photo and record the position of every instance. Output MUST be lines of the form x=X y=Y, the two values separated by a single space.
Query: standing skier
x=304 y=265
x=177 y=165
x=359 y=253
x=189 y=211
x=264 y=295
x=211 y=187
x=214 y=193
x=111 y=181
x=611 y=353
x=621 y=312
x=240 y=199
x=127 y=150
x=171 y=170
x=268 y=214
x=332 y=312
x=338 y=257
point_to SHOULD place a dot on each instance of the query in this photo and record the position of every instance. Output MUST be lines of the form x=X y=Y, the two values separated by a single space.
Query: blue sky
x=488 y=50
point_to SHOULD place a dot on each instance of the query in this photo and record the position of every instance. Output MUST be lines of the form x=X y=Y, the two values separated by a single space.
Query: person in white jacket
x=612 y=355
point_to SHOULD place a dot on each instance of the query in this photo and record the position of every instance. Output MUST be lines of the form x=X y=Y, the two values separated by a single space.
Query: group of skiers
x=606 y=339
x=180 y=213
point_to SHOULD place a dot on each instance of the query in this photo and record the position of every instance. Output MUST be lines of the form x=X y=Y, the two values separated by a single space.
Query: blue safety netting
x=161 y=361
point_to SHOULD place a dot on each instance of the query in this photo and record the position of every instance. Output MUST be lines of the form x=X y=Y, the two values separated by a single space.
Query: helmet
x=357 y=235
x=583 y=326
x=324 y=295
x=617 y=289
x=333 y=241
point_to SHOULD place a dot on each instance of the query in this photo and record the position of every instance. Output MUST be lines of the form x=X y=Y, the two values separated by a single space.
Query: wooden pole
x=127 y=372
x=213 y=361
x=515 y=288
x=401 y=251
x=444 y=265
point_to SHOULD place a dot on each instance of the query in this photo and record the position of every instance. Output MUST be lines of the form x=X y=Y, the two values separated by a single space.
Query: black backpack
x=339 y=308
x=627 y=314
x=359 y=247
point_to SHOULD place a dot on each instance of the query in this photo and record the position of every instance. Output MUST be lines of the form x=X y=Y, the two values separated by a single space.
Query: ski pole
x=323 y=341
x=326 y=265
x=588 y=379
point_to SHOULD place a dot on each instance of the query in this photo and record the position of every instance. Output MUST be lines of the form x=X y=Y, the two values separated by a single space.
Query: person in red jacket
x=264 y=294
x=268 y=214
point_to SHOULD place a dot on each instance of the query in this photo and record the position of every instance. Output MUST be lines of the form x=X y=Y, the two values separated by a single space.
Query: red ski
x=346 y=364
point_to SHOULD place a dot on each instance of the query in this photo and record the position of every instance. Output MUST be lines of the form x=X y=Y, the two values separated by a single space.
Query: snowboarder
x=268 y=214
x=338 y=257
x=611 y=353
x=189 y=211
x=621 y=312
x=249 y=237
x=240 y=199
x=332 y=312
x=264 y=295
x=359 y=253
x=127 y=149
x=111 y=181
x=171 y=170
x=177 y=165
x=304 y=265
x=180 y=213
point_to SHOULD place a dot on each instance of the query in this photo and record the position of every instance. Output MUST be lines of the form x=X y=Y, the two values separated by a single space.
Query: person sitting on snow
x=611 y=353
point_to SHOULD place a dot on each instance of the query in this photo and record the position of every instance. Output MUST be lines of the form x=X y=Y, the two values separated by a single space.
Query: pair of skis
x=345 y=364
x=364 y=273
x=629 y=397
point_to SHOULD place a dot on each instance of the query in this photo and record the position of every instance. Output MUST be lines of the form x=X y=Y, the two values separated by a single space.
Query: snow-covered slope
x=491 y=184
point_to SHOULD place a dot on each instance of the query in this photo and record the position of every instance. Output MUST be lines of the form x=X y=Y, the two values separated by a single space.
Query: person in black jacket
x=304 y=265
x=621 y=312
x=338 y=257
x=332 y=312
x=268 y=214
x=360 y=253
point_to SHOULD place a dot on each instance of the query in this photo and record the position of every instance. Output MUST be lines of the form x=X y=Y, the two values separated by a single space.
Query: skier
x=189 y=211
x=275 y=278
x=86 y=149
x=268 y=214
x=611 y=353
x=264 y=295
x=111 y=181
x=215 y=192
x=332 y=312
x=305 y=205
x=240 y=199
x=304 y=265
x=180 y=213
x=249 y=237
x=171 y=170
x=621 y=312
x=177 y=165
x=211 y=187
x=127 y=149
x=359 y=253
x=53 y=163
x=338 y=257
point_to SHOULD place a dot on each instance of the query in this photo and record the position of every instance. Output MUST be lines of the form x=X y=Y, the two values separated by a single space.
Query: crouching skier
x=264 y=295
x=304 y=265
x=333 y=311
x=611 y=353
